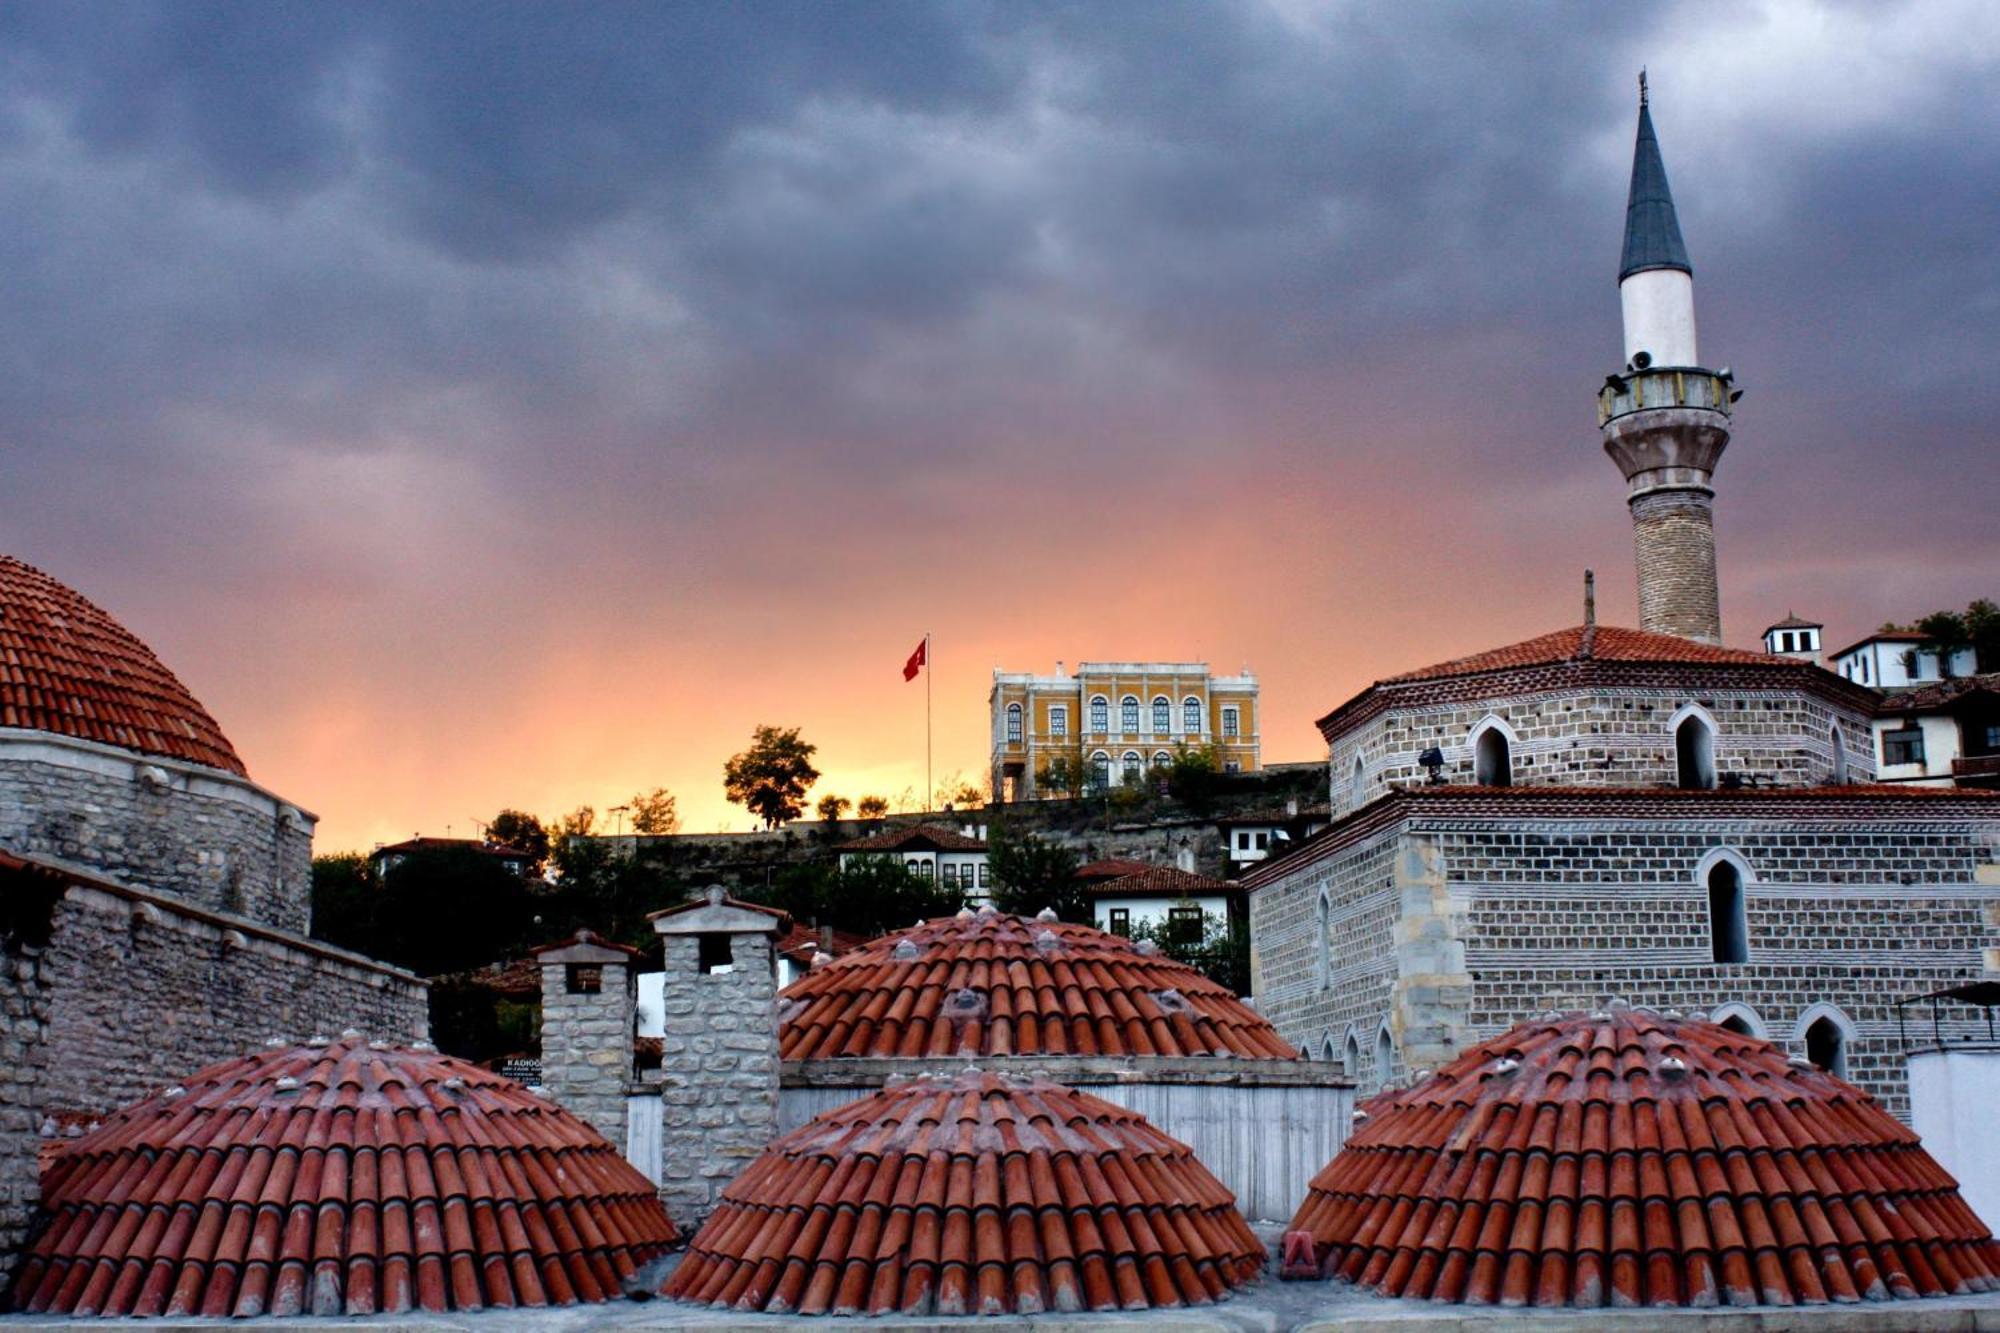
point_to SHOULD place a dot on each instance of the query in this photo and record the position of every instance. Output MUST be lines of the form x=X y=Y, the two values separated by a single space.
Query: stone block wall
x=1606 y=738
x=23 y=1064
x=587 y=1044
x=209 y=837
x=143 y=993
x=719 y=1071
x=1673 y=537
x=1492 y=921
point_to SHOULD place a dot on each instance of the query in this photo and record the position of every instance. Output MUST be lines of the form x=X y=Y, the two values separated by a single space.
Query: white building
x=953 y=858
x=1944 y=734
x=1125 y=895
x=1899 y=661
x=1796 y=637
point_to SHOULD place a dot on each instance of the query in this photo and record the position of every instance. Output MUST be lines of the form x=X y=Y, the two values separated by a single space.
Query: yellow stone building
x=1112 y=721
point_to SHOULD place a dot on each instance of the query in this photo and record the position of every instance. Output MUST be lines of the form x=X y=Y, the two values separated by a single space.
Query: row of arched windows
x=1162 y=714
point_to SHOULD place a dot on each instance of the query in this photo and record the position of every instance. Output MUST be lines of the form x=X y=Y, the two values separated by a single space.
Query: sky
x=488 y=405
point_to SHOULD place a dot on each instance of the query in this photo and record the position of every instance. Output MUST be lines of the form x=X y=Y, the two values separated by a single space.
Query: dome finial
x=1642 y=86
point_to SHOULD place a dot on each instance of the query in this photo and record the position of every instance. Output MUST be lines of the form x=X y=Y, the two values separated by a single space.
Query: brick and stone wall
x=719 y=1053
x=1491 y=921
x=1673 y=537
x=588 y=1007
x=143 y=993
x=1606 y=737
x=24 y=1021
x=214 y=839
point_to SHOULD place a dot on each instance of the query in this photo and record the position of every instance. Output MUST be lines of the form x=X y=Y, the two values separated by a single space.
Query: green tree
x=518 y=828
x=1194 y=778
x=957 y=793
x=1219 y=950
x=771 y=778
x=832 y=808
x=343 y=901
x=654 y=813
x=1977 y=627
x=572 y=842
x=1030 y=874
x=870 y=895
x=871 y=807
x=450 y=910
x=1065 y=773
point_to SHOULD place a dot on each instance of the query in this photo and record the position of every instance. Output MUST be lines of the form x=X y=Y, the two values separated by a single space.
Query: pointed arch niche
x=1693 y=731
x=1827 y=1033
x=1727 y=879
x=1493 y=744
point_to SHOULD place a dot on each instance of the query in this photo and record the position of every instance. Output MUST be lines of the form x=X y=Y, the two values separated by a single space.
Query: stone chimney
x=589 y=1006
x=719 y=1062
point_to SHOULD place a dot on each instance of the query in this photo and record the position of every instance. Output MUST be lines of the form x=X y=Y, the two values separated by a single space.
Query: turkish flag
x=916 y=662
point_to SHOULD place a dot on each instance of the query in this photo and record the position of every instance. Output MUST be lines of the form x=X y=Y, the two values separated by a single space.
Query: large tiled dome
x=330 y=1179
x=68 y=667
x=1628 y=1158
x=988 y=983
x=970 y=1195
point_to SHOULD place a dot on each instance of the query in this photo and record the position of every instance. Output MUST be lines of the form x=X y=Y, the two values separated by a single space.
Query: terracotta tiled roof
x=1606 y=643
x=1161 y=882
x=1625 y=1158
x=977 y=1195
x=988 y=983
x=69 y=668
x=1115 y=867
x=338 y=1179
x=1793 y=620
x=921 y=838
x=1939 y=695
x=802 y=942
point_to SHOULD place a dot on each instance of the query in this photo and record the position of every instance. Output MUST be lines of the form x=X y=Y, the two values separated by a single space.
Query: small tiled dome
x=989 y=983
x=1629 y=1158
x=977 y=1194
x=68 y=667
x=341 y=1178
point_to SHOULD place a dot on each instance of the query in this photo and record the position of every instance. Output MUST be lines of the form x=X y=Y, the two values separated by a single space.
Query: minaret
x=1665 y=419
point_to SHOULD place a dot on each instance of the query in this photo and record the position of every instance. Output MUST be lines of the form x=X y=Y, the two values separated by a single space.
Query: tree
x=771 y=778
x=1220 y=950
x=654 y=813
x=870 y=895
x=343 y=901
x=450 y=910
x=871 y=807
x=1977 y=627
x=1066 y=773
x=570 y=841
x=1194 y=778
x=957 y=793
x=1030 y=874
x=518 y=828
x=831 y=808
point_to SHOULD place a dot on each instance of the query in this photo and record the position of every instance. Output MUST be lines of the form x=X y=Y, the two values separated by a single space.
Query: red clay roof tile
x=1690 y=1166
x=990 y=983
x=1604 y=643
x=920 y=837
x=67 y=667
x=337 y=1179
x=973 y=1195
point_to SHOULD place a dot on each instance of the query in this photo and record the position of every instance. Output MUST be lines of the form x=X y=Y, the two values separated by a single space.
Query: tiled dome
x=1628 y=1158
x=978 y=1194
x=69 y=668
x=343 y=1178
x=988 y=983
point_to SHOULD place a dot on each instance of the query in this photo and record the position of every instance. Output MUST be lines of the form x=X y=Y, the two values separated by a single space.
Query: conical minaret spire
x=1665 y=419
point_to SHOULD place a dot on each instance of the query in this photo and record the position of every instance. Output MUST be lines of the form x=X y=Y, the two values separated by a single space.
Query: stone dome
x=339 y=1178
x=989 y=983
x=67 y=667
x=970 y=1195
x=1629 y=1158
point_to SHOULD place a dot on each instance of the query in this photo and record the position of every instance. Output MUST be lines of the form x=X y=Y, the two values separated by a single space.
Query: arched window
x=1357 y=783
x=1161 y=759
x=1100 y=713
x=1350 y=1059
x=1100 y=769
x=1128 y=714
x=1839 y=757
x=1385 y=1056
x=1323 y=940
x=1741 y=1019
x=1728 y=926
x=1131 y=764
x=1326 y=1047
x=1827 y=1034
x=1163 y=715
x=1191 y=715
x=1492 y=758
x=1013 y=724
x=1694 y=750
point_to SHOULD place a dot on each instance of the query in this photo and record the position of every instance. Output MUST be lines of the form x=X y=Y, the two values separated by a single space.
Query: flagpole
x=930 y=668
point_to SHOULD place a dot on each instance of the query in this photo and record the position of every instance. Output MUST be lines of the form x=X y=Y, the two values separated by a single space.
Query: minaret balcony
x=1665 y=386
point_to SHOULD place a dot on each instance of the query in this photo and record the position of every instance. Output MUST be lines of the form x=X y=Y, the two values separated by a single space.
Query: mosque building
x=1644 y=814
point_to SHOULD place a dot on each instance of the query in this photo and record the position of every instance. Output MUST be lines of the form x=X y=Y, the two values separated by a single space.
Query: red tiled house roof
x=989 y=983
x=337 y=1179
x=1115 y=867
x=1603 y=643
x=921 y=838
x=67 y=667
x=1160 y=882
x=977 y=1195
x=1628 y=1158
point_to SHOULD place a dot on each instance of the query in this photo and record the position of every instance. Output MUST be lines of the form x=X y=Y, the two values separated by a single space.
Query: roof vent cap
x=1360 y=1115
x=819 y=960
x=175 y=1092
x=1505 y=1065
x=965 y=914
x=275 y=1043
x=1047 y=914
x=1673 y=1066
x=427 y=1047
x=987 y=909
x=1172 y=1001
x=350 y=1034
x=1800 y=1062
x=455 y=1083
x=1046 y=941
x=966 y=1001
x=378 y=1045
x=906 y=951
x=1145 y=948
x=287 y=1084
x=318 y=1040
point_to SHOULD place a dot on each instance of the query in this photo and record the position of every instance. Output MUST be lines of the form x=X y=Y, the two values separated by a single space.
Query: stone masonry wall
x=1673 y=536
x=1606 y=738
x=1574 y=913
x=719 y=1071
x=200 y=834
x=587 y=1046
x=141 y=995
x=24 y=1018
